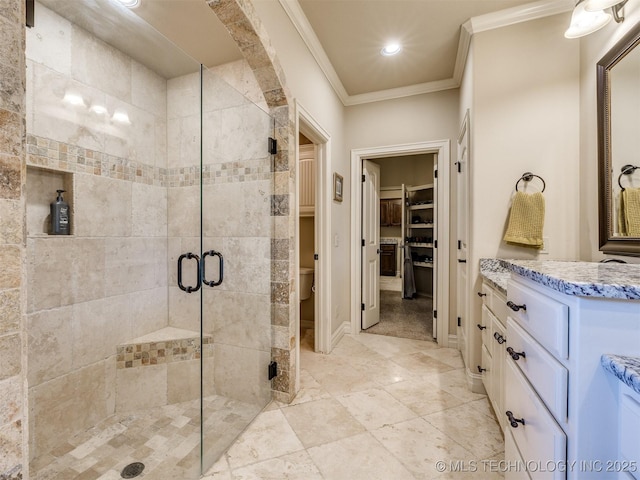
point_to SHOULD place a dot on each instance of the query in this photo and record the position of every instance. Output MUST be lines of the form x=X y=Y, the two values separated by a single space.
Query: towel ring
x=528 y=176
x=626 y=170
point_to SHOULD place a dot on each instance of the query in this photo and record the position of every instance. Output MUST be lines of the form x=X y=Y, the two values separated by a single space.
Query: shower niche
x=42 y=185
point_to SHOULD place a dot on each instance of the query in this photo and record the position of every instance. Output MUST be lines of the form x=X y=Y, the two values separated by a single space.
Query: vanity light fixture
x=130 y=3
x=98 y=109
x=73 y=99
x=121 y=116
x=391 y=49
x=590 y=15
x=614 y=5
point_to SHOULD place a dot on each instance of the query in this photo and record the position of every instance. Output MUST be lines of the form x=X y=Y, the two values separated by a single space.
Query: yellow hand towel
x=631 y=211
x=526 y=220
x=622 y=224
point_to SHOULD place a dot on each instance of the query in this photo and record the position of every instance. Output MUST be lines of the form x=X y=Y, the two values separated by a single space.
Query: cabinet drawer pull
x=499 y=338
x=480 y=294
x=514 y=421
x=480 y=369
x=515 y=307
x=480 y=327
x=515 y=355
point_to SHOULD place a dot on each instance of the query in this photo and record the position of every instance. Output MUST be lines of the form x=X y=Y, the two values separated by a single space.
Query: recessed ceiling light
x=130 y=3
x=391 y=49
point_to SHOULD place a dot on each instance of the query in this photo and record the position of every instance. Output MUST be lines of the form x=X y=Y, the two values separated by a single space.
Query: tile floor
x=377 y=408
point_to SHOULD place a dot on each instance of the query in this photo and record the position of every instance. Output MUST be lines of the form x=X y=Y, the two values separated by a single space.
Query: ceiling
x=345 y=37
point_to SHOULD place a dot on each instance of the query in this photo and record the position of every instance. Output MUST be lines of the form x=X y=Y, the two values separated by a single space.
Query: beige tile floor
x=376 y=408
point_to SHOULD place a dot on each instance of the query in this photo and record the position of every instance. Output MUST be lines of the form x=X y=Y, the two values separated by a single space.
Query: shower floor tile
x=166 y=439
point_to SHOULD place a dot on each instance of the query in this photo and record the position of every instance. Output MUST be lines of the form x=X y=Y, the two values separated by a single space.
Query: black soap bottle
x=60 y=216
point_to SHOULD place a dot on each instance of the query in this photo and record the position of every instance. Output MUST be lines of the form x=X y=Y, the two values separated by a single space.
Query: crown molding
x=481 y=23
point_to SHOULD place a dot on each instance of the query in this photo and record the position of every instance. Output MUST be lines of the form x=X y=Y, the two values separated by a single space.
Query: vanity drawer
x=629 y=423
x=487 y=374
x=485 y=326
x=540 y=440
x=513 y=458
x=543 y=317
x=545 y=373
x=495 y=302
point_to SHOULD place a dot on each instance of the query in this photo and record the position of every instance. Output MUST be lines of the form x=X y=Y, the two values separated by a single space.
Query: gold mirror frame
x=608 y=242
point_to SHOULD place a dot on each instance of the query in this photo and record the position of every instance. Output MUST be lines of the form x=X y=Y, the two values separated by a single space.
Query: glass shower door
x=236 y=230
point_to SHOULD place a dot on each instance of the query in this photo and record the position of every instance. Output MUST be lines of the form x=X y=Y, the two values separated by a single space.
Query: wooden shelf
x=423 y=264
x=415 y=188
x=425 y=206
x=425 y=245
x=420 y=225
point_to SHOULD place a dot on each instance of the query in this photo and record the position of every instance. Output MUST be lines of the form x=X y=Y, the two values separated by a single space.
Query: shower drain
x=132 y=470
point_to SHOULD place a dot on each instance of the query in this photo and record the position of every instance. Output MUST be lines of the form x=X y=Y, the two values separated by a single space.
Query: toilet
x=306 y=282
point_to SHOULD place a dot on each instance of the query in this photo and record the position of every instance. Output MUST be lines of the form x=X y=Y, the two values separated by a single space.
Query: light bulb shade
x=584 y=22
x=595 y=5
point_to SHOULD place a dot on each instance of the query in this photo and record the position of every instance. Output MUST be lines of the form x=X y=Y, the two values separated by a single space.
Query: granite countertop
x=627 y=369
x=496 y=272
x=586 y=279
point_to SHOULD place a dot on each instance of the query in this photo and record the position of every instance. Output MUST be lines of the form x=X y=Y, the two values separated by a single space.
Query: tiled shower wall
x=12 y=112
x=106 y=284
x=135 y=198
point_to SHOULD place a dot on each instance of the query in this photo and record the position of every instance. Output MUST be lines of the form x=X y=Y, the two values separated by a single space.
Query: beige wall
x=312 y=90
x=525 y=104
x=13 y=421
x=592 y=48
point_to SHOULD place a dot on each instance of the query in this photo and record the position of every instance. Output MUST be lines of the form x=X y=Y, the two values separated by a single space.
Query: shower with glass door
x=148 y=326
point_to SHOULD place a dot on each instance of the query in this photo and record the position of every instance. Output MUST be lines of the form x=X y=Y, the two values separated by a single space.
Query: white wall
x=592 y=48
x=525 y=101
x=312 y=90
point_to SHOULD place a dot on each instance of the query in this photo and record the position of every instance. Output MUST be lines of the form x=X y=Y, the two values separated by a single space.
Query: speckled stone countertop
x=627 y=369
x=585 y=279
x=496 y=272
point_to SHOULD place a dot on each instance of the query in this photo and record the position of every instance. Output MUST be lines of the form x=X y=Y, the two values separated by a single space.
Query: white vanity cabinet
x=560 y=405
x=492 y=326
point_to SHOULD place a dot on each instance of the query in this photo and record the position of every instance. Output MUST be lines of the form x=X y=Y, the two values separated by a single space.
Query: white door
x=370 y=244
x=462 y=213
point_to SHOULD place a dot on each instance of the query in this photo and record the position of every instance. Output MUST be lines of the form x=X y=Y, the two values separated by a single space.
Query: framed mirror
x=618 y=103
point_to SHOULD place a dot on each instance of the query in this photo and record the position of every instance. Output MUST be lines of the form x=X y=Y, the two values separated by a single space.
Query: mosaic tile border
x=168 y=351
x=46 y=153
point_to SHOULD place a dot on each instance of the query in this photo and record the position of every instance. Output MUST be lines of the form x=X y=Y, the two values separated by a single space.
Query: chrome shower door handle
x=213 y=253
x=189 y=256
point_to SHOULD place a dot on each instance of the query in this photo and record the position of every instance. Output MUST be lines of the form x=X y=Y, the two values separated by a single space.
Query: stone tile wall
x=12 y=238
x=242 y=22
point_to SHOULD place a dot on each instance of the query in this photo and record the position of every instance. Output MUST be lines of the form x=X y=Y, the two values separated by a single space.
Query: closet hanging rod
x=527 y=177
x=626 y=170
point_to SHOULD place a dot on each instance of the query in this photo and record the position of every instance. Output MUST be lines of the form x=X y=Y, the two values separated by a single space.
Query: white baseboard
x=339 y=333
x=453 y=341
x=474 y=381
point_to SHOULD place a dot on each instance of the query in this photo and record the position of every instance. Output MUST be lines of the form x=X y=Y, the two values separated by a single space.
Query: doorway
x=406 y=223
x=440 y=257
x=310 y=131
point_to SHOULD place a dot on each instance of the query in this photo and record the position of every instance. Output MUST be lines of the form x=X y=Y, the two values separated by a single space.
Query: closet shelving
x=419 y=233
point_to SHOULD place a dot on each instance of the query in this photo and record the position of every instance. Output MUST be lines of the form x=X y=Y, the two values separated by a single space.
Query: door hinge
x=273 y=370
x=273 y=146
x=459 y=244
x=363 y=178
x=363 y=242
x=30 y=9
x=435 y=174
x=362 y=307
x=435 y=314
x=459 y=322
x=459 y=165
x=435 y=244
x=315 y=256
